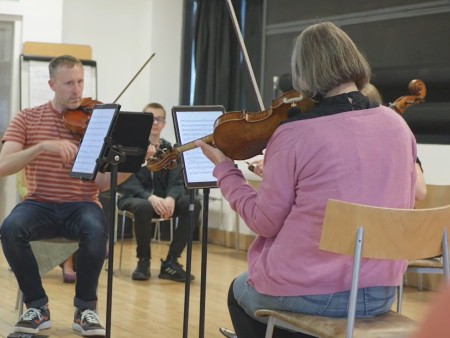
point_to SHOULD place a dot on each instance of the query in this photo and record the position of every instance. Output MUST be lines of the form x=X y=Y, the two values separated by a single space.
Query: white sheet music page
x=93 y=140
x=193 y=125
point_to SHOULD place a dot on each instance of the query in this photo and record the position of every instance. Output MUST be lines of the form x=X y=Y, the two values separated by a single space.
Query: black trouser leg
x=143 y=213
x=181 y=234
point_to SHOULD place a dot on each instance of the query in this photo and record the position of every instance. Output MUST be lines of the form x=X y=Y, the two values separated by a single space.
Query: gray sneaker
x=87 y=322
x=34 y=320
x=227 y=333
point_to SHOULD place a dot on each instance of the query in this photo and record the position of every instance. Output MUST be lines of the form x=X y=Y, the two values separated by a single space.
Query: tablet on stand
x=192 y=123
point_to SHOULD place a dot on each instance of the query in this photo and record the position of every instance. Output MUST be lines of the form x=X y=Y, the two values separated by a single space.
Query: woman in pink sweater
x=345 y=148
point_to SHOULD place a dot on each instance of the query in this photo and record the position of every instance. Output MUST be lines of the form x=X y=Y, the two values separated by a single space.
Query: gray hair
x=324 y=57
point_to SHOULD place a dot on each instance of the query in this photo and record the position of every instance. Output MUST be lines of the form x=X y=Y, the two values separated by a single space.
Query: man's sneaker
x=87 y=323
x=34 y=320
x=227 y=333
x=172 y=270
x=142 y=271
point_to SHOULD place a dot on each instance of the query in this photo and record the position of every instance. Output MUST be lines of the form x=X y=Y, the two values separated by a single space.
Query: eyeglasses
x=159 y=119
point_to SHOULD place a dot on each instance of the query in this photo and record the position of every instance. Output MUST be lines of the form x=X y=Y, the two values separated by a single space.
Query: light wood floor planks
x=154 y=308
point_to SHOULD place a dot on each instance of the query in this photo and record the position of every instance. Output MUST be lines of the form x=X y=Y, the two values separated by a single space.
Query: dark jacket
x=161 y=183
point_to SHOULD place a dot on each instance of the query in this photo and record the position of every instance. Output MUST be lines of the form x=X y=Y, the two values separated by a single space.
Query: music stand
x=191 y=123
x=120 y=150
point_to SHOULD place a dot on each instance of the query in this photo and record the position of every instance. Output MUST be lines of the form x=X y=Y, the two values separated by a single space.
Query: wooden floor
x=154 y=308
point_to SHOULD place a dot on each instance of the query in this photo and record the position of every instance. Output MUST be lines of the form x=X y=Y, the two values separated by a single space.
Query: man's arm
x=103 y=180
x=175 y=183
x=133 y=187
x=14 y=157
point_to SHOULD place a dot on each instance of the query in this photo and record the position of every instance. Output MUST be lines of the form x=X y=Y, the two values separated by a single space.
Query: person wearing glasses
x=152 y=194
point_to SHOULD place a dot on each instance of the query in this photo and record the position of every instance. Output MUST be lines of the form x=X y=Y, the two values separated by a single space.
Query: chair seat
x=49 y=253
x=388 y=325
x=426 y=263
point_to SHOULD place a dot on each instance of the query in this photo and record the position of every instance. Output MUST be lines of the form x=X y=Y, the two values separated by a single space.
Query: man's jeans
x=31 y=221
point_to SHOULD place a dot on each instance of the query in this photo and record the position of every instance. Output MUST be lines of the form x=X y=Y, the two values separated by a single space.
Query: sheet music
x=193 y=125
x=93 y=140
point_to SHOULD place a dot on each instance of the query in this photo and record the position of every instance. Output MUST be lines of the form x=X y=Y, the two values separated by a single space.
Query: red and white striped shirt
x=48 y=178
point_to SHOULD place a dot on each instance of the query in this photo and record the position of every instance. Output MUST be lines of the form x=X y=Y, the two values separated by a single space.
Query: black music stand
x=120 y=152
x=190 y=123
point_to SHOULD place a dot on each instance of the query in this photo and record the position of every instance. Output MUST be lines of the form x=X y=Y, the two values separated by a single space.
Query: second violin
x=239 y=135
x=418 y=91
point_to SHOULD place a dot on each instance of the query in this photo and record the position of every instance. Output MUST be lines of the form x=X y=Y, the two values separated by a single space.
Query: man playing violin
x=56 y=204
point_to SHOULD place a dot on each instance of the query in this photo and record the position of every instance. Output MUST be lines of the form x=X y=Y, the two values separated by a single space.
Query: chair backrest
x=437 y=196
x=383 y=233
x=388 y=233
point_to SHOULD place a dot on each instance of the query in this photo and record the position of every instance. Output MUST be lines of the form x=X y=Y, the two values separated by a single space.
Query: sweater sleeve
x=133 y=187
x=175 y=183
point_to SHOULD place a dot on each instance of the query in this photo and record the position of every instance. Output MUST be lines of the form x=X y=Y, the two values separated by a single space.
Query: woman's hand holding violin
x=215 y=155
x=151 y=150
x=256 y=166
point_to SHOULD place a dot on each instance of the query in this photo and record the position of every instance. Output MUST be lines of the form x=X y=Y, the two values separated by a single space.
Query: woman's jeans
x=371 y=301
x=31 y=221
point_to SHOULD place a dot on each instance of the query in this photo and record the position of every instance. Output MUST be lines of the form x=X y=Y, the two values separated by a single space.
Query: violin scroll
x=164 y=158
x=167 y=158
x=418 y=92
x=417 y=87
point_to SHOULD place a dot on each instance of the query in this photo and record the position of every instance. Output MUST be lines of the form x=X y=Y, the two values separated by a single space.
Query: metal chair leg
x=122 y=235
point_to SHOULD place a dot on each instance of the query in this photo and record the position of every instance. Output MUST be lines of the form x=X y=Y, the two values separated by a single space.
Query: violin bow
x=244 y=52
x=134 y=77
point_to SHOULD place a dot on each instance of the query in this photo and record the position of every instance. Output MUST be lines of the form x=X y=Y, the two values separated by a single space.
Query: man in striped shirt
x=56 y=204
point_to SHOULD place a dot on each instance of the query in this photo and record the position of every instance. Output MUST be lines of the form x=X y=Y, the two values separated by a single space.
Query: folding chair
x=437 y=196
x=370 y=232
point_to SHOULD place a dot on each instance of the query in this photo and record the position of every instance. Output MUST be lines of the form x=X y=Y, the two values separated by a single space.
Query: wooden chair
x=437 y=196
x=370 y=232
x=124 y=214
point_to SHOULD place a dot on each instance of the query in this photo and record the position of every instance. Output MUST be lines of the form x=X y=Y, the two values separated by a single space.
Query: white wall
x=435 y=160
x=41 y=19
x=123 y=34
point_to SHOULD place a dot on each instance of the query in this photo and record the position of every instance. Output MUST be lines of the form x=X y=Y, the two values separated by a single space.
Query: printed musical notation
x=93 y=140
x=193 y=125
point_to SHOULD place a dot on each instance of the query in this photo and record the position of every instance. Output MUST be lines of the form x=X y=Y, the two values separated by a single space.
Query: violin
x=239 y=135
x=418 y=91
x=76 y=120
